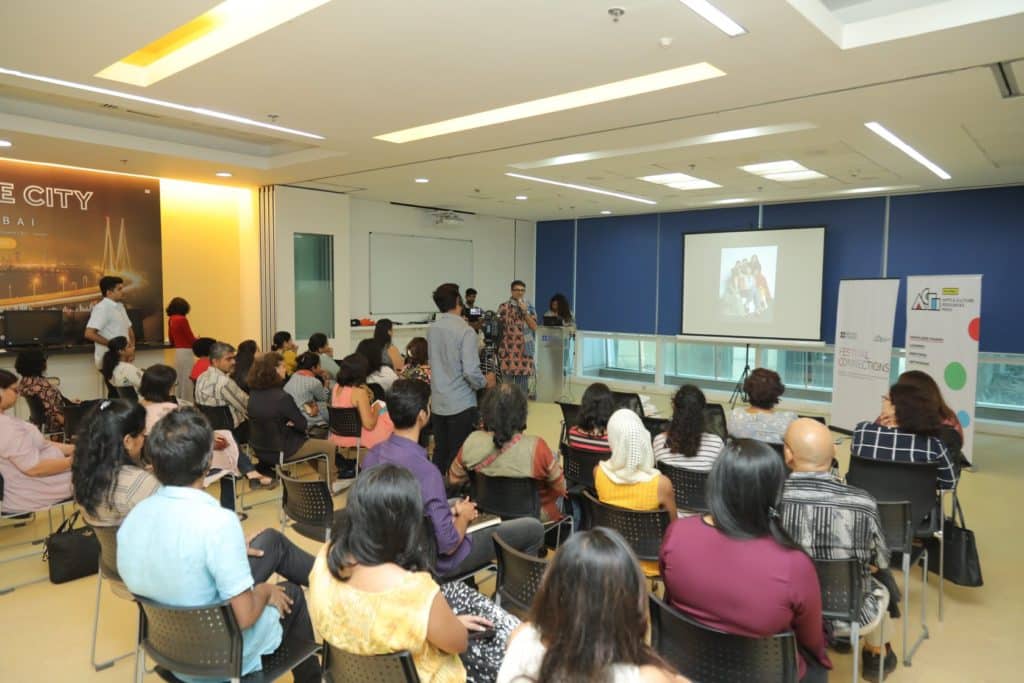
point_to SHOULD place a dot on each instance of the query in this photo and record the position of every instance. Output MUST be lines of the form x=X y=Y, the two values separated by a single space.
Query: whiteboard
x=406 y=269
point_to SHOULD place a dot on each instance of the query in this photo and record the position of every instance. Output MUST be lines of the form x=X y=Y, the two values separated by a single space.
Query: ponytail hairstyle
x=687 y=426
x=113 y=356
x=280 y=339
x=100 y=453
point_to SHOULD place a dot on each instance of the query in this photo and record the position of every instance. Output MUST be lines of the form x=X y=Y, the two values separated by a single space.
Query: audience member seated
x=157 y=397
x=287 y=348
x=376 y=371
x=31 y=365
x=685 y=444
x=629 y=478
x=835 y=521
x=216 y=388
x=308 y=391
x=107 y=473
x=117 y=367
x=268 y=402
x=247 y=352
x=590 y=433
x=319 y=345
x=371 y=592
x=201 y=350
x=458 y=551
x=351 y=392
x=906 y=431
x=737 y=570
x=761 y=420
x=36 y=472
x=589 y=619
x=417 y=362
x=179 y=548
x=924 y=382
x=501 y=449
x=389 y=355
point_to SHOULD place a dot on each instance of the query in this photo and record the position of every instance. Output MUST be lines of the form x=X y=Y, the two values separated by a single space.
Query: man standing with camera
x=518 y=322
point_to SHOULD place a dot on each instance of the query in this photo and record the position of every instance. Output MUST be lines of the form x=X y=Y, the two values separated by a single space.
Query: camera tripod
x=737 y=391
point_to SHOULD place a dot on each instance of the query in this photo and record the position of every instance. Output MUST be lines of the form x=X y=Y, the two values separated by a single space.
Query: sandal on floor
x=257 y=483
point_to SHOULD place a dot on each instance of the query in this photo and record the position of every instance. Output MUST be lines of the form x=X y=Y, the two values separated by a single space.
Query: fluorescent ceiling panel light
x=230 y=23
x=734 y=200
x=584 y=188
x=887 y=135
x=710 y=138
x=794 y=176
x=680 y=181
x=694 y=184
x=785 y=171
x=522 y=197
x=422 y=180
x=866 y=190
x=605 y=213
x=223 y=174
x=158 y=103
x=716 y=16
x=608 y=92
x=5 y=143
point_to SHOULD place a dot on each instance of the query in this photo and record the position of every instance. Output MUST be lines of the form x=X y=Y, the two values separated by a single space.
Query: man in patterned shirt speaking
x=835 y=521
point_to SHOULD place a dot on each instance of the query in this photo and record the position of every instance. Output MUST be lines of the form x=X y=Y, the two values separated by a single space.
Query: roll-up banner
x=863 y=349
x=943 y=329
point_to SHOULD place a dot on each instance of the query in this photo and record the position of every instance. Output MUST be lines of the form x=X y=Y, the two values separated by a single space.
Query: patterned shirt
x=835 y=521
x=709 y=448
x=877 y=442
x=215 y=388
x=768 y=427
x=53 y=402
x=417 y=372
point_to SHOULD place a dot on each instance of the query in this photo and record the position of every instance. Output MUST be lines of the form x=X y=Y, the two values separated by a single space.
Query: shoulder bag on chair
x=962 y=565
x=72 y=552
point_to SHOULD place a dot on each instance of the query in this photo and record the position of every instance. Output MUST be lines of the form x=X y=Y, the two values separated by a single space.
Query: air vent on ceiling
x=1006 y=81
x=142 y=113
x=109 y=106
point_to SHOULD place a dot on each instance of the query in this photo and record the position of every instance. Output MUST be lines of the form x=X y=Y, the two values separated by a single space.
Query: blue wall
x=629 y=269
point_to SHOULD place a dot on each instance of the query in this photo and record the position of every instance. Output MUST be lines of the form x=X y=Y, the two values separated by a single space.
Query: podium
x=550 y=361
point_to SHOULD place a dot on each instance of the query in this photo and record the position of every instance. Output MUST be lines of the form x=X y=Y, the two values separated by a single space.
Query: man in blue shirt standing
x=455 y=376
x=180 y=548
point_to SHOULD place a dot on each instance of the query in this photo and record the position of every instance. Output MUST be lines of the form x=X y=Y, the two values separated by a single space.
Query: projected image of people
x=747 y=282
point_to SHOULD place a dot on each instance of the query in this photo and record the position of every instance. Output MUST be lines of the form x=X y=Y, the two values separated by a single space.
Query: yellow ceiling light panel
x=660 y=80
x=230 y=23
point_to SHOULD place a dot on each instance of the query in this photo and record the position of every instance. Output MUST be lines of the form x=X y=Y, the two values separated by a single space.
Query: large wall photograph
x=61 y=229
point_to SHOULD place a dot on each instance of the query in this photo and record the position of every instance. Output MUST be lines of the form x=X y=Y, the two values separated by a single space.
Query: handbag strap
x=69 y=523
x=958 y=511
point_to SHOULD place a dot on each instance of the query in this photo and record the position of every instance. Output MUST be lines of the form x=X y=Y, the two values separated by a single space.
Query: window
x=314 y=284
x=619 y=358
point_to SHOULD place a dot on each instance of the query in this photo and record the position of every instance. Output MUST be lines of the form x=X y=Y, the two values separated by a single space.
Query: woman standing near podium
x=181 y=337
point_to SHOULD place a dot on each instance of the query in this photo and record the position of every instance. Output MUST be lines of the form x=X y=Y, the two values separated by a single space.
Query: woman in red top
x=181 y=337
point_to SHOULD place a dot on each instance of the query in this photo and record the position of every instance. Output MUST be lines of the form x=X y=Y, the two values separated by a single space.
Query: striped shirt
x=876 y=442
x=215 y=388
x=835 y=521
x=710 y=447
x=591 y=443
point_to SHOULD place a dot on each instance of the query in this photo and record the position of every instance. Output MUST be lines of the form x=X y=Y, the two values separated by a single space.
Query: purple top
x=398 y=450
x=752 y=588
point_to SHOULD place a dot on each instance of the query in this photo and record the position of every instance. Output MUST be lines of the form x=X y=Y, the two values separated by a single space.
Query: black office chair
x=570 y=413
x=343 y=667
x=689 y=487
x=655 y=425
x=519 y=577
x=206 y=641
x=841 y=583
x=898 y=529
x=579 y=467
x=267 y=442
x=73 y=414
x=628 y=400
x=643 y=530
x=707 y=655
x=107 y=537
x=346 y=422
x=309 y=506
x=714 y=420
x=511 y=498
x=37 y=414
x=127 y=393
x=219 y=417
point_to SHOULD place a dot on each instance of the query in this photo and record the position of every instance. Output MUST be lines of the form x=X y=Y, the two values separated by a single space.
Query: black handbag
x=962 y=565
x=72 y=552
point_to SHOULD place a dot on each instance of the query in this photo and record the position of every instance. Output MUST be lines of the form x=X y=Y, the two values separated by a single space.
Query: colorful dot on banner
x=974 y=329
x=956 y=376
x=965 y=419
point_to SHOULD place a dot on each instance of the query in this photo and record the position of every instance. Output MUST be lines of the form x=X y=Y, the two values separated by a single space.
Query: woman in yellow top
x=370 y=592
x=289 y=350
x=629 y=479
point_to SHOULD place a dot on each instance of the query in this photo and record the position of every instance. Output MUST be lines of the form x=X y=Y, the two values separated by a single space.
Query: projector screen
x=763 y=284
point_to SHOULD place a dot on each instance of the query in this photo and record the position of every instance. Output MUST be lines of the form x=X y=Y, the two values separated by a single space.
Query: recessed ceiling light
x=423 y=180
x=158 y=103
x=680 y=181
x=583 y=188
x=230 y=23
x=223 y=174
x=716 y=16
x=887 y=135
x=734 y=200
x=522 y=197
x=886 y=188
x=783 y=171
x=605 y=212
x=607 y=92
x=6 y=143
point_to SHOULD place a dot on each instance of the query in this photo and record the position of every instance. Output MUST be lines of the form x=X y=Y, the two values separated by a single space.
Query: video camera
x=491 y=328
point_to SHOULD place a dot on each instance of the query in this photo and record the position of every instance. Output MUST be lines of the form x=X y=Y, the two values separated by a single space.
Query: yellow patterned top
x=380 y=623
x=642 y=496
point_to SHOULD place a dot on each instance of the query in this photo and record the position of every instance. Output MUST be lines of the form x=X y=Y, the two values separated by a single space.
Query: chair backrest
x=519 y=576
x=891 y=481
x=570 y=413
x=308 y=502
x=128 y=393
x=655 y=425
x=73 y=414
x=507 y=497
x=196 y=641
x=378 y=391
x=107 y=536
x=343 y=667
x=710 y=656
x=778 y=448
x=689 y=487
x=714 y=420
x=219 y=417
x=36 y=411
x=630 y=400
x=643 y=530
x=265 y=437
x=345 y=421
x=841 y=588
x=897 y=525
x=579 y=466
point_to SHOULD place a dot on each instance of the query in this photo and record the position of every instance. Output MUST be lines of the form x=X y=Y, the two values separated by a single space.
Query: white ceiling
x=352 y=70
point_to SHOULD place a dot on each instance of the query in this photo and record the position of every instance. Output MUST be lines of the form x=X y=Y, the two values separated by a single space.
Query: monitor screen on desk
x=25 y=328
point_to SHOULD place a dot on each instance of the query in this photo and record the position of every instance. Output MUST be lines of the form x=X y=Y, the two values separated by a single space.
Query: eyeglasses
x=519 y=289
x=885 y=397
